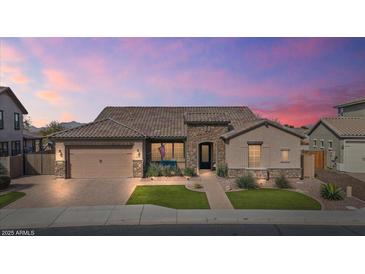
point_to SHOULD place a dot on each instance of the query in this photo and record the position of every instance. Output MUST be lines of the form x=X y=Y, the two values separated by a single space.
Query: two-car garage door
x=108 y=162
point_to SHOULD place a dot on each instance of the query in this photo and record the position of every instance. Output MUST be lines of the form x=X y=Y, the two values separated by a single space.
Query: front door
x=205 y=156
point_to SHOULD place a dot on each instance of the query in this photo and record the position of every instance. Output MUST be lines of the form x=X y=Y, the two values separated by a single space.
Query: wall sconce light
x=139 y=153
x=60 y=153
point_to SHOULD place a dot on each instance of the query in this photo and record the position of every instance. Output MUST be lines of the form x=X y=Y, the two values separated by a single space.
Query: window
x=1 y=119
x=315 y=143
x=285 y=155
x=16 y=121
x=4 y=149
x=330 y=145
x=179 y=153
x=173 y=151
x=254 y=156
x=321 y=144
x=15 y=148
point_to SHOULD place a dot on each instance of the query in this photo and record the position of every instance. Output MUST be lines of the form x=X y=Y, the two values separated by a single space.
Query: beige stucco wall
x=273 y=141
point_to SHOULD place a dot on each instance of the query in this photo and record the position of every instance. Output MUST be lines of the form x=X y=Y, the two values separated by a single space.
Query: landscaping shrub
x=189 y=171
x=248 y=182
x=166 y=171
x=222 y=170
x=332 y=192
x=153 y=170
x=4 y=181
x=176 y=171
x=282 y=182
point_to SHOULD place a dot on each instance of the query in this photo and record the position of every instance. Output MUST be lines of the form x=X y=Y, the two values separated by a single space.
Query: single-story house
x=123 y=141
x=343 y=140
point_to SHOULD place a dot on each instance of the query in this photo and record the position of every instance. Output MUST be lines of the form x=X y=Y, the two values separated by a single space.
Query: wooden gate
x=39 y=163
x=319 y=159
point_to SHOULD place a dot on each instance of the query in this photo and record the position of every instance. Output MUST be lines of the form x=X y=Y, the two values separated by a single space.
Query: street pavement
x=199 y=230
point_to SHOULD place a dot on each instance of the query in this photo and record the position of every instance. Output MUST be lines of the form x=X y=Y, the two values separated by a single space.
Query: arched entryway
x=205 y=155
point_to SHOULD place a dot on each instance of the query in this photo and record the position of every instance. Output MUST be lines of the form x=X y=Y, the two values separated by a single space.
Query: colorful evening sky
x=295 y=80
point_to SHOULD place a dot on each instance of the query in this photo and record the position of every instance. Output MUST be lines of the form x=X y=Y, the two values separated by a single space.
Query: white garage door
x=354 y=156
x=100 y=162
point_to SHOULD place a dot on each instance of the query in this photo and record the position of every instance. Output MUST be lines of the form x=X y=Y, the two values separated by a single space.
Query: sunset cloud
x=10 y=54
x=51 y=97
x=57 y=79
x=297 y=80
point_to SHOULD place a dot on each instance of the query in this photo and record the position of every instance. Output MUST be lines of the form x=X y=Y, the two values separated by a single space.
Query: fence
x=39 y=163
x=13 y=165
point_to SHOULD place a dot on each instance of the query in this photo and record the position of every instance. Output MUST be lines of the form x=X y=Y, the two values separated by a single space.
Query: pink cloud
x=13 y=75
x=10 y=54
x=67 y=117
x=291 y=50
x=39 y=122
x=57 y=79
x=51 y=97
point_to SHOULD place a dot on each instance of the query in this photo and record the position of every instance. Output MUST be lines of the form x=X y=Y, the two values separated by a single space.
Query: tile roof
x=206 y=118
x=351 y=103
x=105 y=128
x=344 y=126
x=14 y=98
x=169 y=122
x=257 y=123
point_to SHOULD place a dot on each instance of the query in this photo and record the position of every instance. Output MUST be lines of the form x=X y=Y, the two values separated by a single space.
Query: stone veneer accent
x=266 y=173
x=197 y=134
x=60 y=169
x=287 y=172
x=137 y=168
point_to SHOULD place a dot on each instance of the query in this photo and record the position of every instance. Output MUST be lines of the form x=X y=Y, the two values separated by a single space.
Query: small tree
x=27 y=123
x=52 y=127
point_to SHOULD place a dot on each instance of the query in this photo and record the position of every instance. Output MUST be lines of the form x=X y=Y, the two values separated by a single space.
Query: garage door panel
x=354 y=156
x=100 y=163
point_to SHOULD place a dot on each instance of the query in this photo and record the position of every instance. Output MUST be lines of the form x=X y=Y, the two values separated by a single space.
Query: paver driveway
x=45 y=191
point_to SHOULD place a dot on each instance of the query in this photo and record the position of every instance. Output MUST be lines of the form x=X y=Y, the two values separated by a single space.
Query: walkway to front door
x=217 y=198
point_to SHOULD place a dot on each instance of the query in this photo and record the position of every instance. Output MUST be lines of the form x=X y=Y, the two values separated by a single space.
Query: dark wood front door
x=205 y=156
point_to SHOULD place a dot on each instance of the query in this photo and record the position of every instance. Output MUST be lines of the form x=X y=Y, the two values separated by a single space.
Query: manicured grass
x=271 y=199
x=169 y=196
x=10 y=197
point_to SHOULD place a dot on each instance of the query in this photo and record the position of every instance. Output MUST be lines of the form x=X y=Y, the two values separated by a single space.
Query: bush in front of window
x=282 y=182
x=153 y=170
x=222 y=170
x=247 y=182
x=189 y=171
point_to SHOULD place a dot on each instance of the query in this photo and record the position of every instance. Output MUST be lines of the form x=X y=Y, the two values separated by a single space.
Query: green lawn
x=10 y=197
x=271 y=199
x=169 y=196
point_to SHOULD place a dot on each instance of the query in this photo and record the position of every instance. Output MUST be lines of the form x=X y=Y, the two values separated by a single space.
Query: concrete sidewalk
x=156 y=215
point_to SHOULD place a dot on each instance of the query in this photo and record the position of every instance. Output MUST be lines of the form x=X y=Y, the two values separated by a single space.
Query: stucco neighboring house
x=343 y=140
x=123 y=141
x=11 y=123
x=354 y=108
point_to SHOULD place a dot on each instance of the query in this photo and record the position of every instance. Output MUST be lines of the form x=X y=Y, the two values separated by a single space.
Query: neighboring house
x=11 y=123
x=343 y=140
x=355 y=108
x=123 y=141
x=302 y=131
x=32 y=142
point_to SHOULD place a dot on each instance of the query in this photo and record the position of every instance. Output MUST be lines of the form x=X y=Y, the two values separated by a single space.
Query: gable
x=6 y=91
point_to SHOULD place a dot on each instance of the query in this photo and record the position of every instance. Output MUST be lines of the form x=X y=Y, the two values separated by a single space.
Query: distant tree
x=52 y=127
x=27 y=123
x=304 y=127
